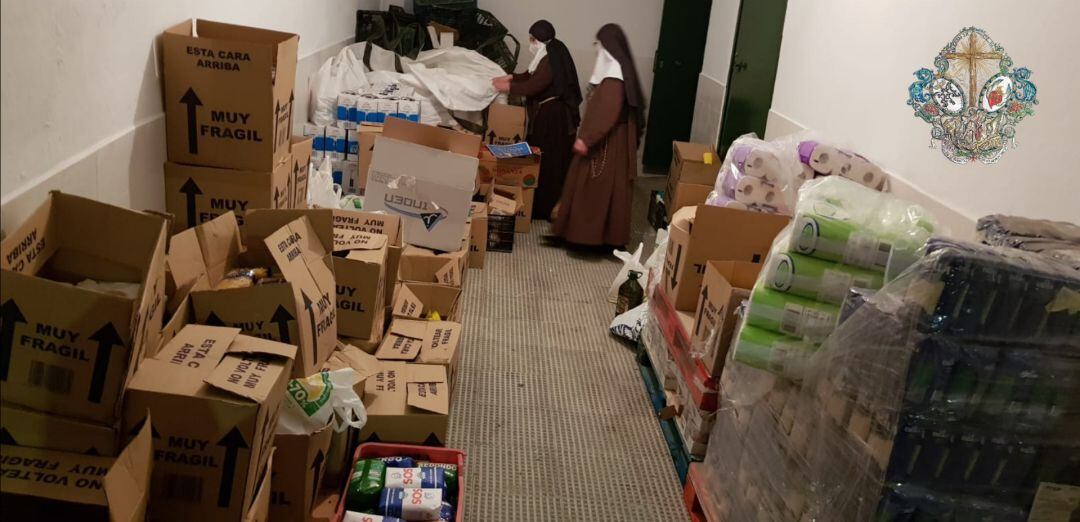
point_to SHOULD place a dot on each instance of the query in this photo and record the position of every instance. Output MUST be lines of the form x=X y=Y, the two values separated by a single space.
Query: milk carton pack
x=336 y=142
x=387 y=108
x=409 y=109
x=367 y=109
x=352 y=144
x=317 y=134
x=346 y=110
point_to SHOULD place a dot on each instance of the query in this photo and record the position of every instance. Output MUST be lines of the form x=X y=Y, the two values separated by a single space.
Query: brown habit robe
x=551 y=127
x=595 y=205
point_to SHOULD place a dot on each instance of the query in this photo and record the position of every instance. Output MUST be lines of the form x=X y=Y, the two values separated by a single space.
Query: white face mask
x=539 y=50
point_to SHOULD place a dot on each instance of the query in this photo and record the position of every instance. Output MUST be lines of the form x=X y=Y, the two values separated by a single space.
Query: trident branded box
x=214 y=396
x=228 y=94
x=68 y=349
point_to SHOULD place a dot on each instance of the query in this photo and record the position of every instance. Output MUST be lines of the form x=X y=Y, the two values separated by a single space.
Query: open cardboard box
x=300 y=462
x=301 y=310
x=427 y=266
x=505 y=124
x=418 y=300
x=426 y=342
x=425 y=175
x=40 y=484
x=244 y=126
x=478 y=229
x=725 y=286
x=69 y=350
x=407 y=403
x=385 y=224
x=214 y=396
x=703 y=233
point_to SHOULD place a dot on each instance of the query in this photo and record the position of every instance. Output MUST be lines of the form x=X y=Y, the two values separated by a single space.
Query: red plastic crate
x=439 y=455
x=703 y=386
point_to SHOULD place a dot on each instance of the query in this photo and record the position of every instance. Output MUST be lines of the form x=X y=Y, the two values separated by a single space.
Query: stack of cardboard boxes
x=514 y=178
x=703 y=283
x=694 y=168
x=228 y=118
x=70 y=346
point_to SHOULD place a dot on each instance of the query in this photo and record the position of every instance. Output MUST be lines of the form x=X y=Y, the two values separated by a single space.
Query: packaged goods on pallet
x=952 y=391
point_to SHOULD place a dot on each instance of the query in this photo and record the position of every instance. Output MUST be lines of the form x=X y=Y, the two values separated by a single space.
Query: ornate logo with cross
x=973 y=98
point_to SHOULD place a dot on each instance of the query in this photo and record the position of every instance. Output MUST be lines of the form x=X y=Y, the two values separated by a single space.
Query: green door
x=753 y=70
x=679 y=53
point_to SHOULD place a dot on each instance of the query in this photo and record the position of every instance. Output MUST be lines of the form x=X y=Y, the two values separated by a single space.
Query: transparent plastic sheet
x=756 y=175
x=949 y=394
x=817 y=157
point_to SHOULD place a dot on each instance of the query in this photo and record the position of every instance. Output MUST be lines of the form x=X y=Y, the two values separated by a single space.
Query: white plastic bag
x=655 y=263
x=629 y=323
x=630 y=262
x=342 y=73
x=322 y=192
x=326 y=397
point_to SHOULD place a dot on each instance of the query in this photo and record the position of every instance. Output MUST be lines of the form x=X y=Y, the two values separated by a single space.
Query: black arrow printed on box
x=232 y=442
x=701 y=314
x=106 y=337
x=281 y=318
x=139 y=426
x=6 y=438
x=191 y=189
x=675 y=268
x=316 y=468
x=10 y=314
x=214 y=320
x=314 y=326
x=192 y=100
x=491 y=136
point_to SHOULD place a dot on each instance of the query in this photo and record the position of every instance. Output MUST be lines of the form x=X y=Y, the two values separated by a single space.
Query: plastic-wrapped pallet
x=844 y=235
x=950 y=394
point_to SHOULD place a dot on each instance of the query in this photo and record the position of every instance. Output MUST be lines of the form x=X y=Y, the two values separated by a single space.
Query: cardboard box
x=694 y=163
x=422 y=341
x=301 y=150
x=360 y=281
x=426 y=266
x=682 y=195
x=33 y=429
x=715 y=233
x=245 y=126
x=506 y=124
x=478 y=226
x=443 y=165
x=725 y=286
x=407 y=403
x=521 y=172
x=418 y=300
x=40 y=484
x=522 y=201
x=214 y=396
x=66 y=349
x=196 y=195
x=365 y=149
x=300 y=461
x=301 y=310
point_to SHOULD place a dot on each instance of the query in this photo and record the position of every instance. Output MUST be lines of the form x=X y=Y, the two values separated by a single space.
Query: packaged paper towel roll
x=864 y=172
x=839 y=241
x=824 y=159
x=791 y=315
x=754 y=191
x=763 y=164
x=817 y=279
x=773 y=352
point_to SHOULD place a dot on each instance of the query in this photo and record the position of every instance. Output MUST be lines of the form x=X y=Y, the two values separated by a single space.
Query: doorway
x=684 y=27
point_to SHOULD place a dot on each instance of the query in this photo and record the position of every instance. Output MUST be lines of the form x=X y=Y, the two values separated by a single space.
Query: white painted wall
x=712 y=82
x=576 y=23
x=80 y=97
x=845 y=66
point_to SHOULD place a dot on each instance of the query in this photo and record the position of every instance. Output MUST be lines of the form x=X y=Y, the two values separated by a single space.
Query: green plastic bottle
x=630 y=293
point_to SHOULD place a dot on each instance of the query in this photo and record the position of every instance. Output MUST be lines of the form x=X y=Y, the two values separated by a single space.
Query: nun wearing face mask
x=595 y=206
x=550 y=87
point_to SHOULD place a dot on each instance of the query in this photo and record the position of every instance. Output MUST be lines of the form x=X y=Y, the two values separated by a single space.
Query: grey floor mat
x=550 y=410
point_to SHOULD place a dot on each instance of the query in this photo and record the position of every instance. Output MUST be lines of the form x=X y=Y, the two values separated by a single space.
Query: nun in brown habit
x=595 y=205
x=550 y=86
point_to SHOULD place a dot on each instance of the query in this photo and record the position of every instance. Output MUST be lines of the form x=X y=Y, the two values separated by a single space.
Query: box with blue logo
x=426 y=175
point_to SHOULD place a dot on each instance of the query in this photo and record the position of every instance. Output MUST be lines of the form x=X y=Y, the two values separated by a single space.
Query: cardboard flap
x=384 y=392
x=415 y=160
x=408 y=328
x=404 y=340
x=363 y=363
x=22 y=465
x=449 y=274
x=432 y=136
x=427 y=388
x=127 y=484
x=198 y=346
x=32 y=232
x=251 y=371
x=296 y=250
x=219 y=241
x=406 y=303
x=502 y=205
x=444 y=339
x=258 y=346
x=347 y=239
